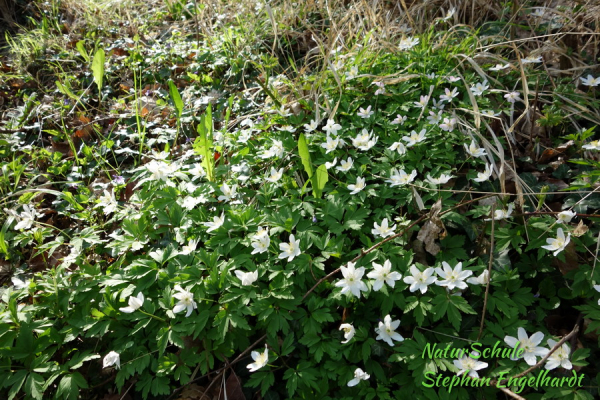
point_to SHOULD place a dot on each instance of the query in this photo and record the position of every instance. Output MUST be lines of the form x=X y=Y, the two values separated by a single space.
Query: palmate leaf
x=33 y=385
x=69 y=386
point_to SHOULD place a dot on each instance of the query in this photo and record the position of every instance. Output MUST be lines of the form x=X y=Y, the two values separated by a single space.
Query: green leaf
x=461 y=304
x=65 y=388
x=33 y=386
x=162 y=339
x=176 y=97
x=579 y=356
x=322 y=316
x=80 y=46
x=292 y=381
x=98 y=68
x=204 y=144
x=440 y=307
x=305 y=155
x=80 y=358
x=16 y=380
x=175 y=339
x=321 y=178
x=3 y=245
x=454 y=316
x=65 y=90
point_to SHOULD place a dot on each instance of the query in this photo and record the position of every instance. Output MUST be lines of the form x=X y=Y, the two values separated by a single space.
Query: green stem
x=152 y=315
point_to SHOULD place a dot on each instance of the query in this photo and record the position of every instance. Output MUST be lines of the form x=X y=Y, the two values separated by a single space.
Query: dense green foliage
x=201 y=170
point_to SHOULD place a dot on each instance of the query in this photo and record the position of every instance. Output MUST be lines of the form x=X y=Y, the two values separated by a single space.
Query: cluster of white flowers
x=401 y=178
x=448 y=277
x=532 y=350
x=276 y=149
x=261 y=241
x=364 y=141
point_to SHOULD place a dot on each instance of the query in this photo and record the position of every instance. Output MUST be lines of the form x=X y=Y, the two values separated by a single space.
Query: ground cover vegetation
x=299 y=200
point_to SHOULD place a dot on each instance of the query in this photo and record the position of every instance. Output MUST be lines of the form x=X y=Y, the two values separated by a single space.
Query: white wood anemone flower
x=449 y=95
x=590 y=81
x=108 y=202
x=482 y=279
x=112 y=358
x=452 y=277
x=345 y=165
x=415 y=137
x=399 y=147
x=502 y=214
x=188 y=248
x=274 y=175
x=560 y=358
x=349 y=332
x=26 y=218
x=419 y=280
x=331 y=127
x=365 y=113
x=186 y=301
x=290 y=249
x=247 y=278
x=383 y=230
x=260 y=244
x=229 y=192
x=359 y=375
x=386 y=331
x=332 y=164
x=469 y=364
x=565 y=217
x=215 y=224
x=382 y=274
x=593 y=145
x=134 y=303
x=484 y=176
x=352 y=281
x=401 y=178
x=358 y=186
x=559 y=244
x=528 y=344
x=260 y=360
x=441 y=180
x=474 y=150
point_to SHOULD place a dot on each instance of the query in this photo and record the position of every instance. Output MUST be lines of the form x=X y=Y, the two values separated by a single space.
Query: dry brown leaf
x=580 y=229
x=432 y=230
